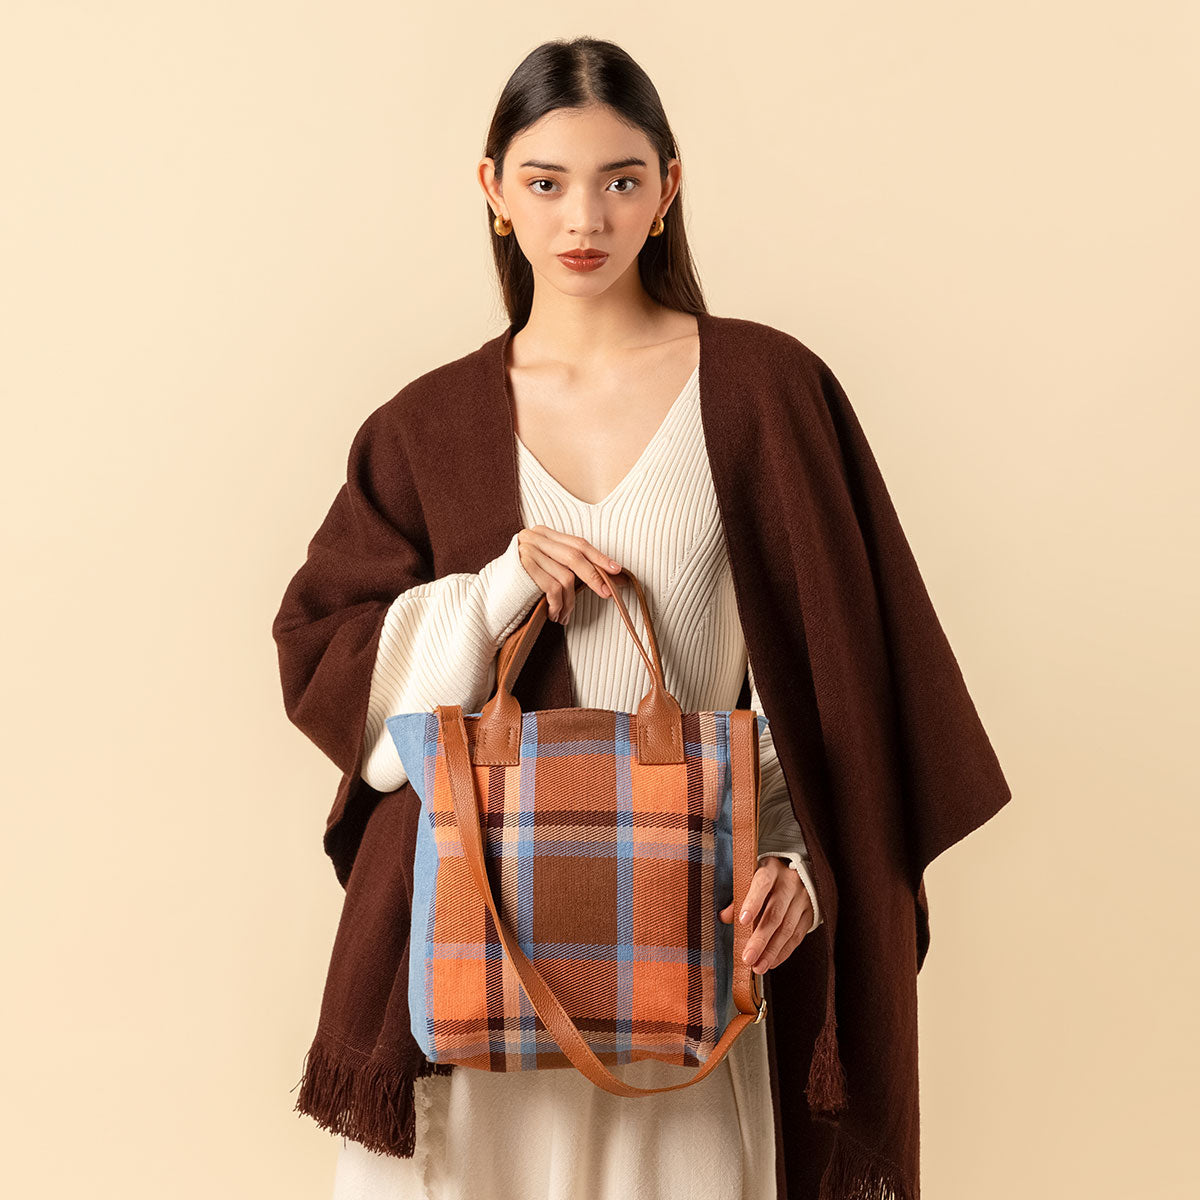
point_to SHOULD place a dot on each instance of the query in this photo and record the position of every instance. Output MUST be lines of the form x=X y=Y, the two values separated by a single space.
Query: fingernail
x=745 y=915
x=615 y=566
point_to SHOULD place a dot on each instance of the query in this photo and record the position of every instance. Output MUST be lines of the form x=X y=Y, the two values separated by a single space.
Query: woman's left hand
x=778 y=897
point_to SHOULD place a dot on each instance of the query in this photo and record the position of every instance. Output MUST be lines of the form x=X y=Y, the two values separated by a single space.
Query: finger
x=554 y=578
x=790 y=932
x=591 y=565
x=579 y=557
x=757 y=892
x=777 y=898
x=772 y=916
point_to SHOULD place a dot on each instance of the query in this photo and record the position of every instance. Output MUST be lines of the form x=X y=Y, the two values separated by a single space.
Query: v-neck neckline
x=641 y=461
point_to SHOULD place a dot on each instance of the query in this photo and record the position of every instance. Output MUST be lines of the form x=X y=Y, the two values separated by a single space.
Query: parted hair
x=576 y=73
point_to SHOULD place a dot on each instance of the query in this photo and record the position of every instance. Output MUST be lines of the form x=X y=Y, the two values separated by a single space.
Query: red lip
x=583 y=254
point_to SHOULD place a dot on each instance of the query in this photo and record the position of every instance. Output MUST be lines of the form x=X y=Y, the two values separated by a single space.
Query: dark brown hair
x=574 y=74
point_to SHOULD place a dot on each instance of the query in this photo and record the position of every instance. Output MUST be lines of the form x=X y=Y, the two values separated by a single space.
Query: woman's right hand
x=555 y=560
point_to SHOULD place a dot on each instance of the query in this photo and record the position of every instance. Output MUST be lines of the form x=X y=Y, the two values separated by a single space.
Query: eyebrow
x=602 y=169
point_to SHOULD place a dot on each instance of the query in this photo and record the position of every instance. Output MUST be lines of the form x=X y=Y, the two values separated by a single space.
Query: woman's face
x=580 y=177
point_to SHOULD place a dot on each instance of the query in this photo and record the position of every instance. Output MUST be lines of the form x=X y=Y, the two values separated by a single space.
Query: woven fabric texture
x=610 y=872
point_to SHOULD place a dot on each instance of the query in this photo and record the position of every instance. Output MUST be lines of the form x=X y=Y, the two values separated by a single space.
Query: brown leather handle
x=659 y=717
x=747 y=991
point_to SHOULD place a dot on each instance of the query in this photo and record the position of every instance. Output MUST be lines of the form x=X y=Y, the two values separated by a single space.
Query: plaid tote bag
x=570 y=867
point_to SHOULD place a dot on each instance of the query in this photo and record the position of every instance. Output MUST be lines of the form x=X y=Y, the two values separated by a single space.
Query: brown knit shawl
x=886 y=760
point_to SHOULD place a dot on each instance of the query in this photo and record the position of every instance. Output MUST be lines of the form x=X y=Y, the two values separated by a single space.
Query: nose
x=585 y=221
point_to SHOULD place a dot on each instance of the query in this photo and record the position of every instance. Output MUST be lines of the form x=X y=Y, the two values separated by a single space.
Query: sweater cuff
x=509 y=592
x=797 y=863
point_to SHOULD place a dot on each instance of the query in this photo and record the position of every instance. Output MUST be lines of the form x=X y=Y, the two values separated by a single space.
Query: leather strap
x=747 y=989
x=660 y=719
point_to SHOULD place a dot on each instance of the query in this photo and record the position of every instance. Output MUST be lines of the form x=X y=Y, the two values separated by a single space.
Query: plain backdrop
x=231 y=230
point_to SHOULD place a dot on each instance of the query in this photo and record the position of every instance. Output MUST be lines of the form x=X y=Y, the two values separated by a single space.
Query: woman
x=614 y=464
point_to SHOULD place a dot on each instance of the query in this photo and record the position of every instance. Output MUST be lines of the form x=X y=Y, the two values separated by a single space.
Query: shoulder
x=744 y=341
x=771 y=365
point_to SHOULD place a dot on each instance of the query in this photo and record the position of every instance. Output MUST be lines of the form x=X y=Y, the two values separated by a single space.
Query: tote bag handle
x=747 y=993
x=659 y=717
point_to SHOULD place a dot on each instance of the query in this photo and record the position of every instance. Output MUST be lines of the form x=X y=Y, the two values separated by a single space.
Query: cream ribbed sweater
x=554 y=1134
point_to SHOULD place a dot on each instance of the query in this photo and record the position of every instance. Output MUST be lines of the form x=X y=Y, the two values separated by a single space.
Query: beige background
x=233 y=229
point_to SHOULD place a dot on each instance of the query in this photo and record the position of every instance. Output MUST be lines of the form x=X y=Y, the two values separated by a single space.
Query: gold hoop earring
x=502 y=225
x=657 y=227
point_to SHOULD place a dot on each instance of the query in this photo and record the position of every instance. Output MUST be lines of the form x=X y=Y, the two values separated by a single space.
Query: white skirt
x=554 y=1135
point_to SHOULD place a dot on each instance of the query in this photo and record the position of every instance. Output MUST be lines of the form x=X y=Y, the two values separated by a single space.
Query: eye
x=635 y=184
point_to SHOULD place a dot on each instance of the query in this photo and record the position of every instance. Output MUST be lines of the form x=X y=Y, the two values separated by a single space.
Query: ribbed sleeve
x=438 y=646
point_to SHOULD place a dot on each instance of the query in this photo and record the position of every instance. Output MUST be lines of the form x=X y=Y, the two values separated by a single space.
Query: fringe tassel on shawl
x=854 y=1173
x=369 y=1102
x=374 y=1104
x=826 y=1087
